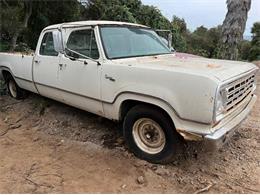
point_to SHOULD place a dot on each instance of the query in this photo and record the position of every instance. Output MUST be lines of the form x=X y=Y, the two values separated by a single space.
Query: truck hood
x=220 y=69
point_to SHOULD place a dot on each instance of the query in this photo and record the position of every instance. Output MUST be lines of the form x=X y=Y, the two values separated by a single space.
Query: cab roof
x=91 y=23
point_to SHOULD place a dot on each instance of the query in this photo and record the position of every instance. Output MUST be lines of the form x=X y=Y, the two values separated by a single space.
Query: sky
x=208 y=13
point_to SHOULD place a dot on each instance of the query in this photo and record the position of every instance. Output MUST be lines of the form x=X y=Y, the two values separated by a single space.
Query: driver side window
x=83 y=42
x=47 y=45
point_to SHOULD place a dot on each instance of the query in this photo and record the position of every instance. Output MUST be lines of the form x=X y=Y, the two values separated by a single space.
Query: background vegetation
x=22 y=22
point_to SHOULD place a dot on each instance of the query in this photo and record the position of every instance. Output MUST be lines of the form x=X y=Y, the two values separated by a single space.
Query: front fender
x=190 y=95
x=112 y=111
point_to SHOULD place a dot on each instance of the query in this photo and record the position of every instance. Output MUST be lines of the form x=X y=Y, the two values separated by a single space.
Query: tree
x=151 y=16
x=244 y=50
x=254 y=53
x=179 y=24
x=180 y=33
x=133 y=6
x=15 y=16
x=97 y=9
x=118 y=13
x=22 y=22
x=203 y=41
x=198 y=42
x=233 y=28
x=52 y=12
x=126 y=10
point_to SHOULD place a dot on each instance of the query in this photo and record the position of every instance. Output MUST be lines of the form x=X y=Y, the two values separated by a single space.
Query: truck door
x=79 y=77
x=46 y=66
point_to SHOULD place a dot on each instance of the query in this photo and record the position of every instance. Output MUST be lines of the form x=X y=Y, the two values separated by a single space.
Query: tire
x=150 y=134
x=14 y=90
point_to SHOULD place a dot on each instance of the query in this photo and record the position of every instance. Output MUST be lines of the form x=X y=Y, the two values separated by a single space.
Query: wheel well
x=128 y=104
x=6 y=74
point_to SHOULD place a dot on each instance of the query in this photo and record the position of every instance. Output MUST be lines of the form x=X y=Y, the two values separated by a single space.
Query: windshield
x=123 y=42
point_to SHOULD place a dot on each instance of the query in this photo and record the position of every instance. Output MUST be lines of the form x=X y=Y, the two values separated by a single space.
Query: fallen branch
x=204 y=189
x=31 y=181
x=11 y=104
x=247 y=188
x=4 y=132
x=12 y=127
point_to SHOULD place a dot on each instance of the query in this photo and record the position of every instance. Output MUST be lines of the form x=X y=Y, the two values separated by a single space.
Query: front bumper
x=223 y=132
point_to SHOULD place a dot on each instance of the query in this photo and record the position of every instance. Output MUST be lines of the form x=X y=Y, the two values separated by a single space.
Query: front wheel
x=150 y=134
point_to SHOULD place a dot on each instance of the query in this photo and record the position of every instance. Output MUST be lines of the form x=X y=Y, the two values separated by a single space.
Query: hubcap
x=12 y=88
x=148 y=136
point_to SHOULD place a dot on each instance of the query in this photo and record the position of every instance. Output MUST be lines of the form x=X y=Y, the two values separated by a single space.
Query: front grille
x=238 y=90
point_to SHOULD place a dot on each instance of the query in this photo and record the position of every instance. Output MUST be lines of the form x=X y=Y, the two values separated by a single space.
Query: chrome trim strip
x=23 y=79
x=73 y=93
x=102 y=101
x=106 y=102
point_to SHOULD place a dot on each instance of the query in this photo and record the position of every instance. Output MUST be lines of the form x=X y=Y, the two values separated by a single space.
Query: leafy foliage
x=15 y=17
x=52 y=12
x=244 y=49
x=180 y=34
x=254 y=53
x=202 y=41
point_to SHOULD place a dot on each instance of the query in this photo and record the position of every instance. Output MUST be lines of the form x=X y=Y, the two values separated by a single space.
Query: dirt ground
x=49 y=147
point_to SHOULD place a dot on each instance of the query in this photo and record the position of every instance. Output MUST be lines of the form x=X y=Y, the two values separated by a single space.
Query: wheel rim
x=148 y=136
x=12 y=88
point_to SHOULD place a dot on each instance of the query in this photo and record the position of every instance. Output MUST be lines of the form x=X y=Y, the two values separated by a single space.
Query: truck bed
x=20 y=65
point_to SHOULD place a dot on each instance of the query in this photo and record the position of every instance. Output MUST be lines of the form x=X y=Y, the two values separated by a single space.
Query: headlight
x=220 y=106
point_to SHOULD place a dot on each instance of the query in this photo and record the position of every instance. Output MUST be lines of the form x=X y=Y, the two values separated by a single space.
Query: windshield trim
x=136 y=56
x=124 y=57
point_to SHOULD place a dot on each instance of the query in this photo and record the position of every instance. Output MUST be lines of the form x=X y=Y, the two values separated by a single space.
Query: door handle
x=110 y=78
x=37 y=61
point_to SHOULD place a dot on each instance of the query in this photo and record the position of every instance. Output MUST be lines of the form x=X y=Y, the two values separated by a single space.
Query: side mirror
x=57 y=41
x=168 y=42
x=172 y=49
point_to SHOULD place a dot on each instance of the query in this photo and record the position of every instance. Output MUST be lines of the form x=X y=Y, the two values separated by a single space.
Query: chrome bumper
x=222 y=135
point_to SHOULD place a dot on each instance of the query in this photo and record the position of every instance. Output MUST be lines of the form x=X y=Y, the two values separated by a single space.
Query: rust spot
x=189 y=136
x=214 y=66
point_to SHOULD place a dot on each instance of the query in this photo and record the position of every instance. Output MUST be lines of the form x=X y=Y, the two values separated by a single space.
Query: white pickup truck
x=126 y=72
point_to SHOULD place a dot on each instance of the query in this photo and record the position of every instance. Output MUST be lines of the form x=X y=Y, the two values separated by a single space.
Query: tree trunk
x=233 y=28
x=27 y=15
x=14 y=40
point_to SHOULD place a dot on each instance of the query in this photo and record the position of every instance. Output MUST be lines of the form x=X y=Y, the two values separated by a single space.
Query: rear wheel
x=14 y=90
x=150 y=134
